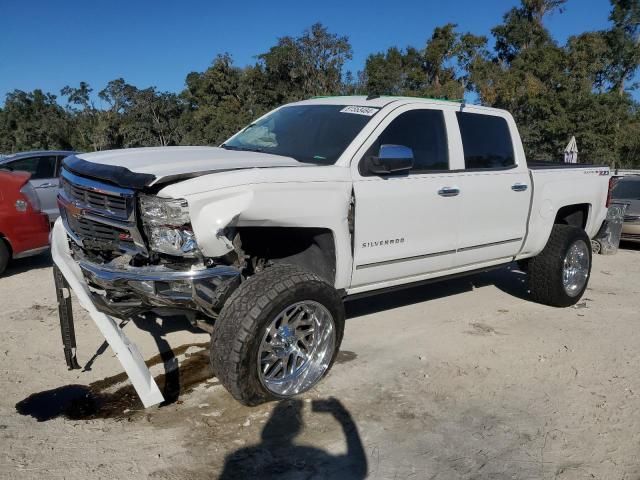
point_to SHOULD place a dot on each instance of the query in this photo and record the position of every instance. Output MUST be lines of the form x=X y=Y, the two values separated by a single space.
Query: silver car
x=44 y=167
x=627 y=190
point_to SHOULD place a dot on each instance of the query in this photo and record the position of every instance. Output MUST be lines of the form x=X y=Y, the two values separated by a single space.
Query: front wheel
x=558 y=275
x=277 y=335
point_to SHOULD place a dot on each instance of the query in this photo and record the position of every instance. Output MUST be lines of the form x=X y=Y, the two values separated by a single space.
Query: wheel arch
x=313 y=249
x=575 y=215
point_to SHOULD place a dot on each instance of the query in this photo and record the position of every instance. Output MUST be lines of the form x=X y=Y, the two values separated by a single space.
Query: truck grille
x=99 y=216
x=632 y=218
x=112 y=204
x=96 y=235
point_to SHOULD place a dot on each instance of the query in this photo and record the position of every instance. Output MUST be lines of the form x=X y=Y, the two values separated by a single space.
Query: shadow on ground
x=22 y=265
x=633 y=246
x=276 y=456
x=114 y=397
x=509 y=279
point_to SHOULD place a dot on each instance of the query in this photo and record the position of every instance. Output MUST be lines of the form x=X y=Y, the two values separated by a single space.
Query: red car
x=24 y=229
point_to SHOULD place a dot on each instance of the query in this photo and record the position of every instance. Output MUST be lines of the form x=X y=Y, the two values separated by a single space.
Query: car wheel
x=277 y=335
x=558 y=276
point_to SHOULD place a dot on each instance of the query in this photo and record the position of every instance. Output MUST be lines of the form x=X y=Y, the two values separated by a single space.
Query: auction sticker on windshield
x=368 y=111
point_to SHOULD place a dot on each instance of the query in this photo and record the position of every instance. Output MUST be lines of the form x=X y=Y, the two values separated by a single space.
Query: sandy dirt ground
x=462 y=379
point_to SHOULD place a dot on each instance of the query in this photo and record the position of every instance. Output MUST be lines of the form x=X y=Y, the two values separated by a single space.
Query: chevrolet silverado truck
x=260 y=240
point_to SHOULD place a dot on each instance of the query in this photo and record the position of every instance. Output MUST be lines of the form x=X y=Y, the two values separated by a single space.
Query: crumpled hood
x=144 y=167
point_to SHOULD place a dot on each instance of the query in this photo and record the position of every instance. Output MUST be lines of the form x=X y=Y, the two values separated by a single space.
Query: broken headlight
x=168 y=226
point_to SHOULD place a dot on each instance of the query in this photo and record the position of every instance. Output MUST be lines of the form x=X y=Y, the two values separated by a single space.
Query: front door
x=406 y=224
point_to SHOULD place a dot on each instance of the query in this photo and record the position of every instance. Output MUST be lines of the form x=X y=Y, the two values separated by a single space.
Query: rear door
x=495 y=189
x=404 y=225
x=43 y=179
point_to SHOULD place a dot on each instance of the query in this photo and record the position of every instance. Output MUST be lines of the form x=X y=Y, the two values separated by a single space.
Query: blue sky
x=49 y=44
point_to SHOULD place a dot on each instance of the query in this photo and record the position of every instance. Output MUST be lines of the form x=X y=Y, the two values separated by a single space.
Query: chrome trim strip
x=436 y=254
x=492 y=244
x=405 y=259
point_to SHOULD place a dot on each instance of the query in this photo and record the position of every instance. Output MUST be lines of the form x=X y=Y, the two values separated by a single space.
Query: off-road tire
x=240 y=327
x=4 y=256
x=545 y=269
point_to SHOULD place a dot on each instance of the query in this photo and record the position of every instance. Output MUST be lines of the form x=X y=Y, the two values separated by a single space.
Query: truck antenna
x=372 y=96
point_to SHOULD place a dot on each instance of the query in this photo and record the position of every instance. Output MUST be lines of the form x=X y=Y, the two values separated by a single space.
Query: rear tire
x=277 y=335
x=558 y=276
x=4 y=256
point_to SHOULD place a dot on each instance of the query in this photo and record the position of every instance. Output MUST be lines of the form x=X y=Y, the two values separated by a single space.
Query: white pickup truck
x=260 y=240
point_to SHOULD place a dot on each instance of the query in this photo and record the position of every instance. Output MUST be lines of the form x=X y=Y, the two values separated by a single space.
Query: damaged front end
x=124 y=253
x=138 y=252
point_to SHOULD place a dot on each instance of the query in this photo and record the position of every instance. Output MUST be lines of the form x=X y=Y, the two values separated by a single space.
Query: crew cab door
x=495 y=188
x=406 y=224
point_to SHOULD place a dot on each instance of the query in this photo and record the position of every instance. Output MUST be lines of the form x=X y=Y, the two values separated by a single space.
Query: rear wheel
x=558 y=276
x=4 y=256
x=277 y=335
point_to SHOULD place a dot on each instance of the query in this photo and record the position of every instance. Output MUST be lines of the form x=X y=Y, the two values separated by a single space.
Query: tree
x=624 y=42
x=438 y=70
x=152 y=118
x=32 y=120
x=523 y=28
x=83 y=117
x=215 y=107
x=306 y=66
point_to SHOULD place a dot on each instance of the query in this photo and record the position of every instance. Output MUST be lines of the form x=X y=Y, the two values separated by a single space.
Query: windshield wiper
x=243 y=149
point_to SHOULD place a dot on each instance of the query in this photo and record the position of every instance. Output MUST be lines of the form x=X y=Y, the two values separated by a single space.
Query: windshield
x=309 y=133
x=627 y=190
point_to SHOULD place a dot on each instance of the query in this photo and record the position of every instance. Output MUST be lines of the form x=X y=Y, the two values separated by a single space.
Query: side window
x=486 y=141
x=423 y=131
x=38 y=167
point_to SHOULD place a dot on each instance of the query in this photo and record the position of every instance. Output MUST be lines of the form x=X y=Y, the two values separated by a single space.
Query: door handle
x=519 y=187
x=46 y=185
x=449 y=191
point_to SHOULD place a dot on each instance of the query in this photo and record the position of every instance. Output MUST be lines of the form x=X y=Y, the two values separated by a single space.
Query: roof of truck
x=384 y=100
x=378 y=101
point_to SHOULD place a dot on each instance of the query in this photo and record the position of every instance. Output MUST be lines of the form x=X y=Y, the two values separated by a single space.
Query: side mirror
x=391 y=159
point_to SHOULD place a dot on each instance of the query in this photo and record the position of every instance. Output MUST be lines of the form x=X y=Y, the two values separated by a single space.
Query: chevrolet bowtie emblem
x=74 y=210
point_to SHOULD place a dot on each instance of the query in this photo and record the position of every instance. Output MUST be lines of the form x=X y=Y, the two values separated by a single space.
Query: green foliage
x=32 y=120
x=554 y=91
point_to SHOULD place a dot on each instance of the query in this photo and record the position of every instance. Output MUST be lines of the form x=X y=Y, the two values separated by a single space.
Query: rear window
x=626 y=190
x=486 y=141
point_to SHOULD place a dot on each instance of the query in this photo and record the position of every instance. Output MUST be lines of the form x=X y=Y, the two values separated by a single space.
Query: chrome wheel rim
x=575 y=268
x=296 y=348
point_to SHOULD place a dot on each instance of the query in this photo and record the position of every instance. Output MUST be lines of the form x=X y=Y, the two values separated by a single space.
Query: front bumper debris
x=103 y=308
x=65 y=312
x=126 y=292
